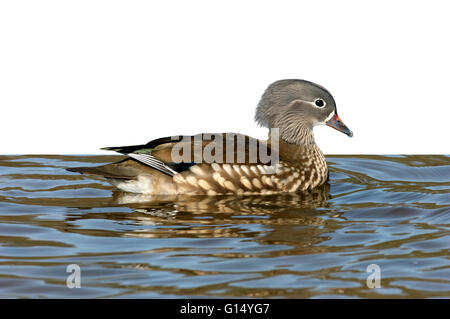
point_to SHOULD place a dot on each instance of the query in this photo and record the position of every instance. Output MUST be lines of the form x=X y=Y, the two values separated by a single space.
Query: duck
x=289 y=161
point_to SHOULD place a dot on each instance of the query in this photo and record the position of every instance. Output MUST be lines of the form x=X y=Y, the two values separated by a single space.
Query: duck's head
x=295 y=107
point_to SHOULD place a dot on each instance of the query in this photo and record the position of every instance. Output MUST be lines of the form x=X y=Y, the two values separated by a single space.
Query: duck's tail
x=119 y=170
x=87 y=170
x=124 y=149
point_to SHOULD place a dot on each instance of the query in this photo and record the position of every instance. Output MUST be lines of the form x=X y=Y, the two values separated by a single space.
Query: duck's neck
x=296 y=132
x=299 y=135
x=297 y=143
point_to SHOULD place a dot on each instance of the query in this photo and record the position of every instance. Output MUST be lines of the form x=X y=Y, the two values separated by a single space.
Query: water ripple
x=392 y=211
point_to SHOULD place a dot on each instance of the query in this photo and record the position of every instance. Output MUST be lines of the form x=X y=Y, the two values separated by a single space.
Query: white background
x=79 y=75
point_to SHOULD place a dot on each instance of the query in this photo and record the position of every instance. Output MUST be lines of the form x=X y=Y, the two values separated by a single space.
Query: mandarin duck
x=230 y=163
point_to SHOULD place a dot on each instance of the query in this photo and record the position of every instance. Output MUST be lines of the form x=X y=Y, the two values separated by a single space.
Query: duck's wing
x=175 y=154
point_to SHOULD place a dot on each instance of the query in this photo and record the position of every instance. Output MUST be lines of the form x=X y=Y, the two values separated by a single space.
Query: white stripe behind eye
x=153 y=162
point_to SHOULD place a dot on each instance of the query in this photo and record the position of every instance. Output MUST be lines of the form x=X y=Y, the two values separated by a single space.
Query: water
x=392 y=211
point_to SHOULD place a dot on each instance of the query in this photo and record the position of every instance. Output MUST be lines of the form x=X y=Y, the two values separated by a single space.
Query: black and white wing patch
x=153 y=162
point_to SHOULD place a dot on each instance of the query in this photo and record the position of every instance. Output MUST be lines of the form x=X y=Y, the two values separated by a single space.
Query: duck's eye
x=319 y=103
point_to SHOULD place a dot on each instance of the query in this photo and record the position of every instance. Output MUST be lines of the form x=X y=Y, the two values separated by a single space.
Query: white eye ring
x=320 y=103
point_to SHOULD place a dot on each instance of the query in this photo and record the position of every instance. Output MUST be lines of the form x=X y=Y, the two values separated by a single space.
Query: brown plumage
x=229 y=163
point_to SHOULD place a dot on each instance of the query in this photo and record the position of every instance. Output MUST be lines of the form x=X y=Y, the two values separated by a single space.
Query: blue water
x=391 y=211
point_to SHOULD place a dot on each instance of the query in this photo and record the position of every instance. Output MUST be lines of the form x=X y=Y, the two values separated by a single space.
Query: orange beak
x=336 y=122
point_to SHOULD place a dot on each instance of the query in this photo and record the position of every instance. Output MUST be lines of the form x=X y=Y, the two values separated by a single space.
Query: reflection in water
x=390 y=210
x=227 y=204
x=277 y=211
